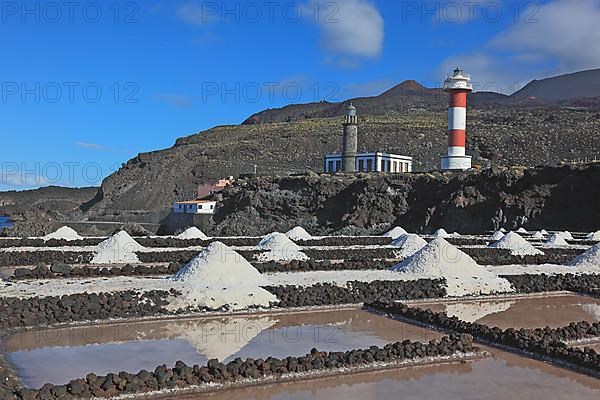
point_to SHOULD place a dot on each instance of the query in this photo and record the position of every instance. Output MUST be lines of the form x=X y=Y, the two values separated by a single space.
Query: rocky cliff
x=151 y=181
x=551 y=197
x=37 y=212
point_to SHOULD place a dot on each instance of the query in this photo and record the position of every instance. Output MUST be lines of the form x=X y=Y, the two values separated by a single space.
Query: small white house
x=194 y=207
x=371 y=162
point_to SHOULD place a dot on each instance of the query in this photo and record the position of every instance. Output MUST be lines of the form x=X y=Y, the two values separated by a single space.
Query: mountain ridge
x=574 y=89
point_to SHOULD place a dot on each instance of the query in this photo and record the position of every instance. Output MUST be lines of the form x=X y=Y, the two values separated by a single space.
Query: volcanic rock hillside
x=34 y=211
x=580 y=89
x=550 y=197
x=568 y=89
x=151 y=181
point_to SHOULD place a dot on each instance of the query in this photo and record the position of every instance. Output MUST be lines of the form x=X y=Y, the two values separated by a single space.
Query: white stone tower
x=459 y=86
x=350 y=145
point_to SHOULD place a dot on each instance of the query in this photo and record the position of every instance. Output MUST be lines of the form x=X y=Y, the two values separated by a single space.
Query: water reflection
x=59 y=355
x=527 y=312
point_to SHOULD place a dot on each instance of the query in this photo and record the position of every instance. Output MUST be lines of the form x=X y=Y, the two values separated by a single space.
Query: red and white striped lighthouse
x=458 y=85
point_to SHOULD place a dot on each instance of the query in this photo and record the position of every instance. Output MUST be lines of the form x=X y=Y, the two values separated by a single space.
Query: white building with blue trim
x=350 y=161
x=371 y=162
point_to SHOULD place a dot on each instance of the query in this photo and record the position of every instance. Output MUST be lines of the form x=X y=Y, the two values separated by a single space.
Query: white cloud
x=559 y=37
x=564 y=31
x=349 y=27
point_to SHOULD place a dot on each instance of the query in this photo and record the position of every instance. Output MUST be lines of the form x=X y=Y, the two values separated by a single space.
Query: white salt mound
x=556 y=240
x=516 y=244
x=497 y=235
x=220 y=277
x=395 y=232
x=593 y=236
x=565 y=235
x=409 y=244
x=298 y=233
x=120 y=248
x=522 y=230
x=544 y=232
x=538 y=235
x=192 y=233
x=590 y=260
x=440 y=259
x=280 y=248
x=219 y=265
x=441 y=233
x=64 y=232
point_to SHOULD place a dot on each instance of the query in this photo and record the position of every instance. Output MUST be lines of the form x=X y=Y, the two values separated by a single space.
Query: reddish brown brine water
x=503 y=377
x=531 y=312
x=59 y=355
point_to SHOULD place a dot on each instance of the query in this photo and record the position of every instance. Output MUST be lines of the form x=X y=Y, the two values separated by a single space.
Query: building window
x=338 y=166
x=369 y=165
x=330 y=166
x=361 y=165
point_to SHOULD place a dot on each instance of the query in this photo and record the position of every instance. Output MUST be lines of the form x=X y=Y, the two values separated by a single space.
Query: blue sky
x=87 y=86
